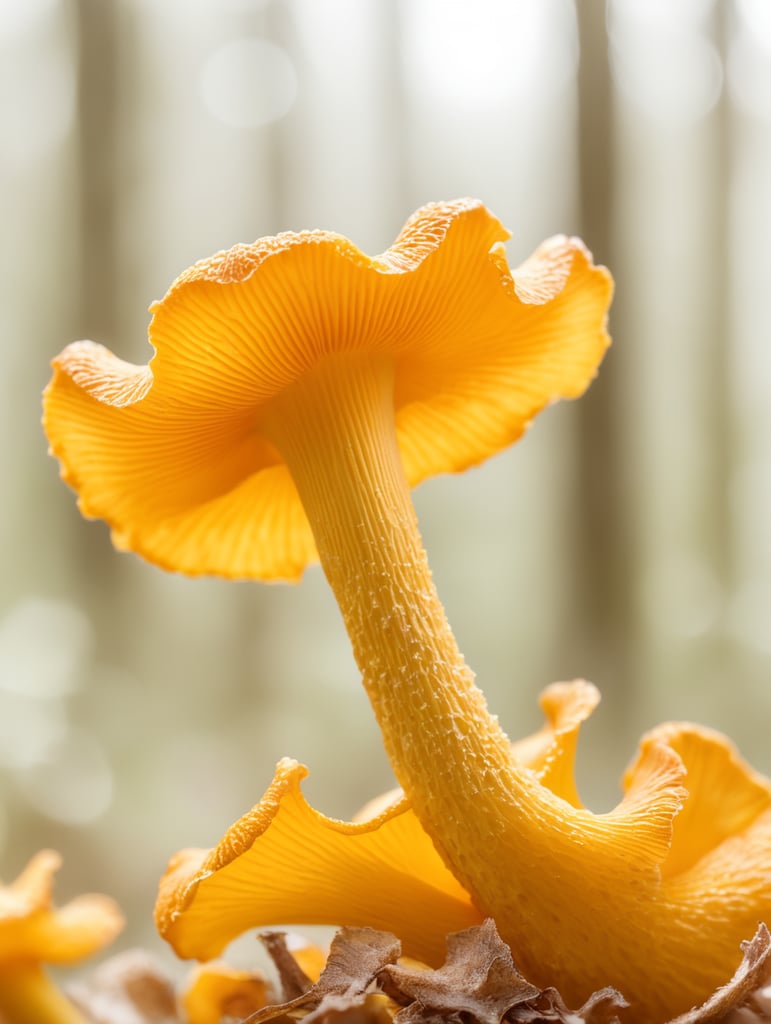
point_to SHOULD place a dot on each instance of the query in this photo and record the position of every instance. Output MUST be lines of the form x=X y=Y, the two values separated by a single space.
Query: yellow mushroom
x=33 y=933
x=216 y=991
x=299 y=388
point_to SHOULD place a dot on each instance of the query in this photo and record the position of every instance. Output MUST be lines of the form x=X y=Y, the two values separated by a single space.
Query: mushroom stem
x=522 y=852
x=336 y=429
x=28 y=996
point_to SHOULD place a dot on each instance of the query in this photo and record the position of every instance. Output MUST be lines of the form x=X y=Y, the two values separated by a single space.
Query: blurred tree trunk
x=604 y=587
x=609 y=595
x=98 y=125
x=718 y=419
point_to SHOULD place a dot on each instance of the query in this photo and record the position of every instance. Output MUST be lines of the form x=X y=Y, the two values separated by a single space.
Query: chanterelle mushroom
x=298 y=389
x=33 y=933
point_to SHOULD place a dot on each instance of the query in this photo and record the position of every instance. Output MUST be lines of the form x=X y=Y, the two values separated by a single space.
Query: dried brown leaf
x=751 y=975
x=356 y=958
x=127 y=989
x=294 y=981
x=480 y=984
x=602 y=1007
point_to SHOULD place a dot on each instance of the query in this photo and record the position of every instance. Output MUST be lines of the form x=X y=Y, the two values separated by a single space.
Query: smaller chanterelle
x=299 y=388
x=34 y=934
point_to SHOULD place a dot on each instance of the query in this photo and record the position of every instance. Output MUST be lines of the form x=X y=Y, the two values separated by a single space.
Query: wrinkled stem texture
x=28 y=996
x=335 y=428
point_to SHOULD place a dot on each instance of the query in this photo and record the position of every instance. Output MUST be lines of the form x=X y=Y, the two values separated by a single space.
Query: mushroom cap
x=32 y=929
x=172 y=454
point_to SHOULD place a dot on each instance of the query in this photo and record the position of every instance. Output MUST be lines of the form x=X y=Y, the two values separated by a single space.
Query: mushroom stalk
x=335 y=428
x=28 y=996
x=518 y=849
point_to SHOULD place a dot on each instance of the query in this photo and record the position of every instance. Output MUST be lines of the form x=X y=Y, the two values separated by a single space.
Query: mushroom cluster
x=33 y=933
x=298 y=390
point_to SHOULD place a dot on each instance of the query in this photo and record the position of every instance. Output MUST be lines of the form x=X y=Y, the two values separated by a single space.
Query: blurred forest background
x=627 y=539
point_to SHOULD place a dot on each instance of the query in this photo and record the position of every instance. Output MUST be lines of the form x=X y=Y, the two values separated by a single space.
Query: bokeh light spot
x=29 y=729
x=749 y=62
x=18 y=17
x=499 y=50
x=663 y=63
x=73 y=783
x=247 y=83
x=44 y=645
x=755 y=16
x=37 y=112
